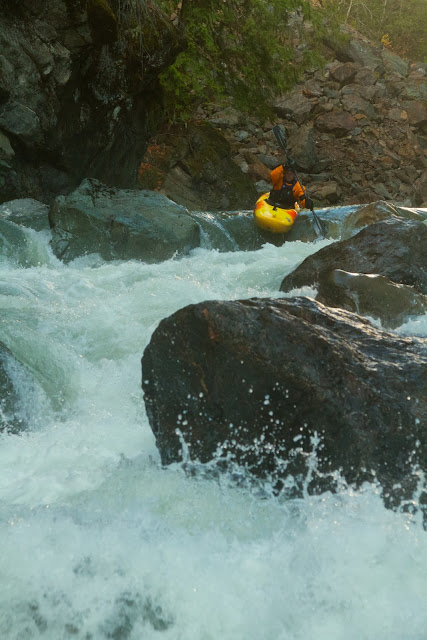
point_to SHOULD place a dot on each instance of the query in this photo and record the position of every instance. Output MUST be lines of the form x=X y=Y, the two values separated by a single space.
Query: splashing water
x=98 y=541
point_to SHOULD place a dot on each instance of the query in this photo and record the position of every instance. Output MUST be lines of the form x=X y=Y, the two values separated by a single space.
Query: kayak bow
x=272 y=218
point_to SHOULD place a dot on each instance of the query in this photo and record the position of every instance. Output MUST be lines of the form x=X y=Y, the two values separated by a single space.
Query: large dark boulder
x=120 y=224
x=260 y=381
x=395 y=248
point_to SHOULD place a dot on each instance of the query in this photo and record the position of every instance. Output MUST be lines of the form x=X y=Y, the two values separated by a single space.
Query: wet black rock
x=395 y=248
x=260 y=381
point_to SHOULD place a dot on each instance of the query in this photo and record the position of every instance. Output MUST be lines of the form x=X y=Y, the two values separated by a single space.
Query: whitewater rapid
x=99 y=541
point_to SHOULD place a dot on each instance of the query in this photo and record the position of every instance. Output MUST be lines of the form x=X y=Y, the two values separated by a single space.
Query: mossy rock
x=103 y=22
x=196 y=169
x=150 y=177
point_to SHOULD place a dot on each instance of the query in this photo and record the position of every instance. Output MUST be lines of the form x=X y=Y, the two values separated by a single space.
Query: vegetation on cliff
x=399 y=24
x=249 y=51
x=243 y=50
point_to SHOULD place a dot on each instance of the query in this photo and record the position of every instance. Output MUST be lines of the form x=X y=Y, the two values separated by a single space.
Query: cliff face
x=78 y=92
x=356 y=129
x=79 y=97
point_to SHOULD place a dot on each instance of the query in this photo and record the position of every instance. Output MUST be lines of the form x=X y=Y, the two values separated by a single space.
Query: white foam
x=98 y=540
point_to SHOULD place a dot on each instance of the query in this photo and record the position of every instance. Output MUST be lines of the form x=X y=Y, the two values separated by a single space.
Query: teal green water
x=98 y=541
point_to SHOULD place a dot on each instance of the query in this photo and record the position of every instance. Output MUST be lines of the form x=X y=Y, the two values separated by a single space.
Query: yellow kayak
x=272 y=218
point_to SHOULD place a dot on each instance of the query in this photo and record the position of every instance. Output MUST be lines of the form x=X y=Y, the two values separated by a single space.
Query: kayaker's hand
x=309 y=204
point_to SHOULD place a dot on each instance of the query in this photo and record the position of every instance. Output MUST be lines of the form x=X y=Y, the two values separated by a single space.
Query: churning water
x=97 y=541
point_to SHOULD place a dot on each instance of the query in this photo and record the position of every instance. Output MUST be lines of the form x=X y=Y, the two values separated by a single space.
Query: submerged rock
x=237 y=231
x=120 y=224
x=11 y=417
x=259 y=381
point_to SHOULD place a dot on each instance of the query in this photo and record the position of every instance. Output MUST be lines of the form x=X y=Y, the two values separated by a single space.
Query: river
x=99 y=541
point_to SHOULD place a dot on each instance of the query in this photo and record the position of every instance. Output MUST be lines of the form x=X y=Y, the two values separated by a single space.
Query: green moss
x=150 y=177
x=239 y=51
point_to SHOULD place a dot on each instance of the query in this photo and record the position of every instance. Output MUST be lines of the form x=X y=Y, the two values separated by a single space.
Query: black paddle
x=281 y=141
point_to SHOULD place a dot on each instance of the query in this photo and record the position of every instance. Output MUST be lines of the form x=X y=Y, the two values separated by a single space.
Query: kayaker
x=287 y=190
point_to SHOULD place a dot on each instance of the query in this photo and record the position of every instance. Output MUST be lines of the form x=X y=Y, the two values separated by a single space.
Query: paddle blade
x=318 y=227
x=280 y=136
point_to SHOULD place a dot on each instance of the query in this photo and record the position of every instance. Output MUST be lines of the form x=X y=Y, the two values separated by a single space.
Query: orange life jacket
x=285 y=192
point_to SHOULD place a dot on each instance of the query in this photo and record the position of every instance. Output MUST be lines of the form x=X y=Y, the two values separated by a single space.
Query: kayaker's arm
x=276 y=177
x=300 y=195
